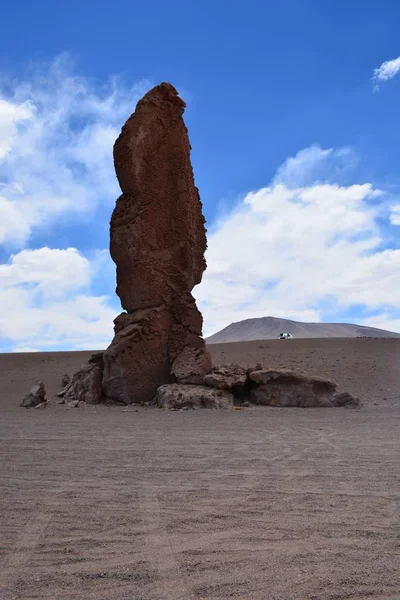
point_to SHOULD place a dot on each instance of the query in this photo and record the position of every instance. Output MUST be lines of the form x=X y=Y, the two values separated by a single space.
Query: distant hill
x=267 y=328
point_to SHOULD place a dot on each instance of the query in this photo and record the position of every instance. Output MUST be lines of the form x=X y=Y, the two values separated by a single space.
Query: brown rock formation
x=85 y=385
x=190 y=366
x=287 y=388
x=178 y=395
x=226 y=377
x=157 y=242
x=65 y=380
x=35 y=397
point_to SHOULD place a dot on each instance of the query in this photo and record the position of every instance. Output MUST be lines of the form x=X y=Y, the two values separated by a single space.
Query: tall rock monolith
x=158 y=241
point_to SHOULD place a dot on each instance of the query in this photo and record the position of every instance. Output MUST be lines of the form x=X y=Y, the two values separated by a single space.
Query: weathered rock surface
x=157 y=242
x=85 y=385
x=157 y=229
x=177 y=395
x=65 y=380
x=286 y=388
x=35 y=396
x=191 y=366
x=137 y=356
x=226 y=377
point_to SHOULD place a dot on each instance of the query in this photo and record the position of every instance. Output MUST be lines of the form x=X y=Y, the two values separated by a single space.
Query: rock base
x=223 y=387
x=179 y=395
x=287 y=388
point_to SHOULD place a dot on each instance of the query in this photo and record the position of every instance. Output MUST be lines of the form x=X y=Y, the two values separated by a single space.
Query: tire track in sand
x=172 y=584
x=28 y=541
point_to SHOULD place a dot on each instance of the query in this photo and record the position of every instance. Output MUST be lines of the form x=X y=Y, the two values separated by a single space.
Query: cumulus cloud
x=314 y=164
x=299 y=252
x=387 y=70
x=46 y=302
x=57 y=130
x=50 y=271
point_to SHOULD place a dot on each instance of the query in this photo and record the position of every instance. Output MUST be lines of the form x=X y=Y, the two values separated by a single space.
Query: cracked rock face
x=179 y=396
x=158 y=242
x=287 y=388
x=226 y=377
x=35 y=397
x=85 y=385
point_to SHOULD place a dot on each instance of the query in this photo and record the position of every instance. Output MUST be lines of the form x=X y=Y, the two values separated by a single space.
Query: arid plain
x=126 y=503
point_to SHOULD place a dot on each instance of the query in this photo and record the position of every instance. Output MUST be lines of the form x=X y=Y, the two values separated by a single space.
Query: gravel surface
x=260 y=504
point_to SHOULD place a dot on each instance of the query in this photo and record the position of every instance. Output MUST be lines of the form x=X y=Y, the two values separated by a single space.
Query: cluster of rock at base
x=222 y=387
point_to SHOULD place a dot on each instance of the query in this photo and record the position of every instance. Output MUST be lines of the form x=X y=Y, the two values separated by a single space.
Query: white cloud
x=46 y=302
x=289 y=251
x=13 y=223
x=314 y=164
x=10 y=116
x=386 y=320
x=57 y=131
x=387 y=70
x=50 y=271
x=395 y=214
x=22 y=348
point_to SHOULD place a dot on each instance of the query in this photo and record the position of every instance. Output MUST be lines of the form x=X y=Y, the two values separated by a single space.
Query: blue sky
x=294 y=122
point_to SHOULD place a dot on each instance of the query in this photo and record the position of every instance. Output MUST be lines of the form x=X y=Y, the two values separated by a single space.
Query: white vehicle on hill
x=285 y=336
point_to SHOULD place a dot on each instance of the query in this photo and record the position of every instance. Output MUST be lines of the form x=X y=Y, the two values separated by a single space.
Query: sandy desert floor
x=261 y=504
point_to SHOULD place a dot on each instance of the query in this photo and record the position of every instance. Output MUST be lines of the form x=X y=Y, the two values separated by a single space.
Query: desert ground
x=123 y=503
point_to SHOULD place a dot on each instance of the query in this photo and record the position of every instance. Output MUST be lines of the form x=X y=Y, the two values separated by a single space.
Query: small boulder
x=41 y=405
x=176 y=395
x=65 y=380
x=86 y=382
x=73 y=404
x=226 y=377
x=287 y=388
x=347 y=400
x=191 y=365
x=35 y=396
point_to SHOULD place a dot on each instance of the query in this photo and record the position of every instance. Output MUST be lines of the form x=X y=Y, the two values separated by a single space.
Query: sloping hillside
x=269 y=328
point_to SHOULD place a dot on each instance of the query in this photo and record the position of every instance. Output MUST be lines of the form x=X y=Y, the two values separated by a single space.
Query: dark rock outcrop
x=35 y=396
x=85 y=385
x=157 y=242
x=191 y=366
x=177 y=395
x=226 y=377
x=287 y=388
x=65 y=380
